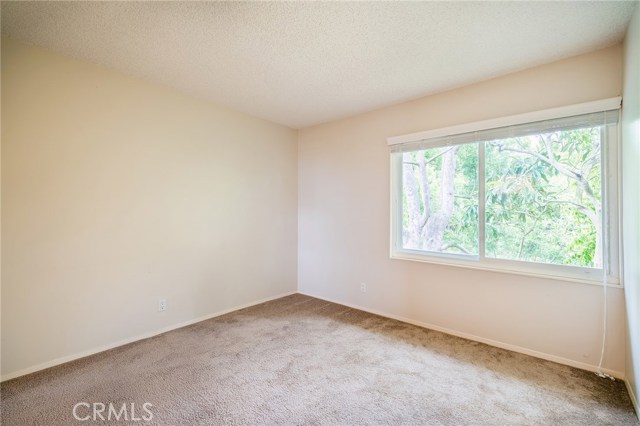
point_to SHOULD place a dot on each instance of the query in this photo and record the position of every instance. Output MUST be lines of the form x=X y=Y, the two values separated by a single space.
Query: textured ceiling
x=303 y=63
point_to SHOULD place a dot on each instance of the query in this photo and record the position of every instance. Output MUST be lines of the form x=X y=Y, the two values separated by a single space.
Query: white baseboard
x=496 y=343
x=123 y=342
x=633 y=398
x=514 y=348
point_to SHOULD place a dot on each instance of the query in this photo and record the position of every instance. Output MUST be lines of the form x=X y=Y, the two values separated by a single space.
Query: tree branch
x=547 y=146
x=455 y=245
x=426 y=191
x=554 y=163
x=440 y=154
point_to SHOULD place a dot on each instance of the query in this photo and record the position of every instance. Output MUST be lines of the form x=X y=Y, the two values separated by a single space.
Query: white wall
x=631 y=197
x=117 y=192
x=344 y=224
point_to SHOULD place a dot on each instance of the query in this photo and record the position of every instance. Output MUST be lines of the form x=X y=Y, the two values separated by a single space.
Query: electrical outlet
x=162 y=305
x=363 y=287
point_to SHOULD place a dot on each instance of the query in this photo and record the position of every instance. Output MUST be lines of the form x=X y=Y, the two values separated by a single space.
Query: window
x=532 y=194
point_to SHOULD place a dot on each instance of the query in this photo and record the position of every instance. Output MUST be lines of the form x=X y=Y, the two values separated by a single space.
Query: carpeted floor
x=303 y=361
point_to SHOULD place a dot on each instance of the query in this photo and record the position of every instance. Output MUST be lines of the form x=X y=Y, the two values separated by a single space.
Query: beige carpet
x=303 y=361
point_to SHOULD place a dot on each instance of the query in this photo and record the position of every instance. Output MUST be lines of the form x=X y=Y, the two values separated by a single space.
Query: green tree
x=543 y=194
x=542 y=198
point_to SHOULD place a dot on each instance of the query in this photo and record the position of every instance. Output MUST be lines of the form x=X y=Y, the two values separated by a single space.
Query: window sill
x=534 y=270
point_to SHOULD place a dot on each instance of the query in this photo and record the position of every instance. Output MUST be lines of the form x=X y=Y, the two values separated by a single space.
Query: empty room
x=320 y=213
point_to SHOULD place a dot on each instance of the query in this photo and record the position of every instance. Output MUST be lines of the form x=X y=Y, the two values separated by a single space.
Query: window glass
x=543 y=198
x=440 y=199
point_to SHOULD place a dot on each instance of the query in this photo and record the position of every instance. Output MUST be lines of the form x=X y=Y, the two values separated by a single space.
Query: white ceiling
x=304 y=63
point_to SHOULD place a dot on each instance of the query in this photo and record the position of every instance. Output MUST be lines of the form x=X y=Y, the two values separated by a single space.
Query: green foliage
x=534 y=210
x=542 y=197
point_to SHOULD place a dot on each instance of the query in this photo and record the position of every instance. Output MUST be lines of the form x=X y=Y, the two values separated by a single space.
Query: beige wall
x=631 y=197
x=344 y=224
x=117 y=192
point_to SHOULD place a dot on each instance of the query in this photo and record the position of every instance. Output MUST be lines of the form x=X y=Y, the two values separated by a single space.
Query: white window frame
x=611 y=185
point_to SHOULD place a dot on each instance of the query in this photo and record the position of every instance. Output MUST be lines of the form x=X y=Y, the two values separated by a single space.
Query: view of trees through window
x=542 y=198
x=440 y=199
